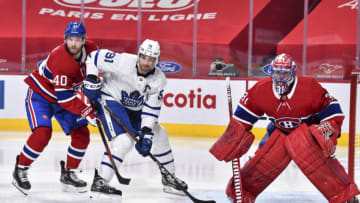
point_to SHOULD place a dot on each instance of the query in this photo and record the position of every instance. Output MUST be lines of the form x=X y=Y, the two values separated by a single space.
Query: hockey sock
x=35 y=144
x=80 y=139
x=166 y=159
x=121 y=145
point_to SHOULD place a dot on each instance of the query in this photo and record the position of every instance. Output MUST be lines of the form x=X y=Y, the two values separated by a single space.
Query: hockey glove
x=91 y=115
x=326 y=134
x=145 y=142
x=92 y=89
x=235 y=142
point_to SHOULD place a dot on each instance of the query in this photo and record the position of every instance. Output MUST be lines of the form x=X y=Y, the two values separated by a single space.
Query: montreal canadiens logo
x=168 y=66
x=130 y=5
x=288 y=123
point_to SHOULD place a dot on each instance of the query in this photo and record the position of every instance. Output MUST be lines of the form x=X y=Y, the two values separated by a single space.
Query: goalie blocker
x=235 y=142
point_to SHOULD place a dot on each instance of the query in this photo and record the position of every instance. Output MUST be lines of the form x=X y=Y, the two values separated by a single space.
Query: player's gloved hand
x=145 y=143
x=92 y=87
x=326 y=134
x=91 y=115
x=235 y=142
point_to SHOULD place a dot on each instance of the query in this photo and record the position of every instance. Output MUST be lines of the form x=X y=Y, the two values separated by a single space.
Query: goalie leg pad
x=235 y=141
x=326 y=173
x=269 y=161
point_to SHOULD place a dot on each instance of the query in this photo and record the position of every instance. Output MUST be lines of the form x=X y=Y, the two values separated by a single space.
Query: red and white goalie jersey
x=59 y=76
x=306 y=99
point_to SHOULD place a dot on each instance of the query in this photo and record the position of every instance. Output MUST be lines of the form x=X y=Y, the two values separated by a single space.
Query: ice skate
x=70 y=181
x=99 y=186
x=21 y=181
x=171 y=186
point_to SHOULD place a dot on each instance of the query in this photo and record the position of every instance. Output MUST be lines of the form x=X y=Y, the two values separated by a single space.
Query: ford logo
x=168 y=66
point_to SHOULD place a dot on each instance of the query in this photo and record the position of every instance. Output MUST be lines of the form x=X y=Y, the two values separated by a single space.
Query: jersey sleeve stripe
x=245 y=115
x=96 y=57
x=149 y=114
x=331 y=110
x=243 y=121
x=43 y=89
x=152 y=107
x=64 y=95
x=47 y=73
x=150 y=111
x=66 y=100
x=250 y=112
x=63 y=89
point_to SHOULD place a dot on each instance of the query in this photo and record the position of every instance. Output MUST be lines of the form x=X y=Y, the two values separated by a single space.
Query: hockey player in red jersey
x=305 y=124
x=52 y=92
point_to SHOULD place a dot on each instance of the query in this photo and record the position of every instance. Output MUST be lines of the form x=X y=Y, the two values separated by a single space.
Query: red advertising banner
x=331 y=40
x=114 y=25
x=222 y=29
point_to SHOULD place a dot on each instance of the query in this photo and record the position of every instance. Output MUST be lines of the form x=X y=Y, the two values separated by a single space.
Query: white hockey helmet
x=283 y=71
x=150 y=48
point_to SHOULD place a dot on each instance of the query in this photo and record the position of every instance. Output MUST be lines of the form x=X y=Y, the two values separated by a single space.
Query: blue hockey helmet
x=76 y=29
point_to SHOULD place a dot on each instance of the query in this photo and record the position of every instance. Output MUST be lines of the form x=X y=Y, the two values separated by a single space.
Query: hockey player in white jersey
x=132 y=87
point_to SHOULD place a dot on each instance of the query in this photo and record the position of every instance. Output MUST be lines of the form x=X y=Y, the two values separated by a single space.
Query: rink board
x=192 y=106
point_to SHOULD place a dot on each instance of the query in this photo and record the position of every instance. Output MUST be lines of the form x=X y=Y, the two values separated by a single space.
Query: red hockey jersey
x=60 y=75
x=306 y=98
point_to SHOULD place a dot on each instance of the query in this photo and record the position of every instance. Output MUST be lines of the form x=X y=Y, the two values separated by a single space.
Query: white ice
x=206 y=177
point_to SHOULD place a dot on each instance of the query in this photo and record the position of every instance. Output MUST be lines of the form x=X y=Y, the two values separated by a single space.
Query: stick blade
x=123 y=180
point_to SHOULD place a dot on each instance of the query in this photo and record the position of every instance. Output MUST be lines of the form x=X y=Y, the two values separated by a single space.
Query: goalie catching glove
x=235 y=142
x=326 y=134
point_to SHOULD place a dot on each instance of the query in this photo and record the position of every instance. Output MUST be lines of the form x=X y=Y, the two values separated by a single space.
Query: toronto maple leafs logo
x=132 y=100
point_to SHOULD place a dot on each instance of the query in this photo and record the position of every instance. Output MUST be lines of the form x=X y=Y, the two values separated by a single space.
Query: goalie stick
x=162 y=168
x=236 y=161
x=121 y=179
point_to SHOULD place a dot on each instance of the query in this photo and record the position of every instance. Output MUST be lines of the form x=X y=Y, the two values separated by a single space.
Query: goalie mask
x=282 y=71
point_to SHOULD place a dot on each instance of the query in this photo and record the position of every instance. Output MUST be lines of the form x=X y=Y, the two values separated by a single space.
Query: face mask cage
x=282 y=77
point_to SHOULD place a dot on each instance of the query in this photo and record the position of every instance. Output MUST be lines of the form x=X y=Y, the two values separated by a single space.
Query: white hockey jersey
x=123 y=84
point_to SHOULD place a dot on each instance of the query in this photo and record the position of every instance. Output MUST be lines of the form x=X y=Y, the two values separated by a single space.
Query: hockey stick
x=121 y=179
x=162 y=168
x=236 y=161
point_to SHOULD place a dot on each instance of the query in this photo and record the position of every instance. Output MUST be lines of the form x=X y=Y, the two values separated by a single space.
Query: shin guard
x=326 y=173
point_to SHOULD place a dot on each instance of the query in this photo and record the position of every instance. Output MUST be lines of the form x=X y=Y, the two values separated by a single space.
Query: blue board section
x=2 y=94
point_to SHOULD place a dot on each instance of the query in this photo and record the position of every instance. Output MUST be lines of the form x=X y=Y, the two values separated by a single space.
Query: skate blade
x=170 y=190
x=70 y=188
x=103 y=197
x=23 y=191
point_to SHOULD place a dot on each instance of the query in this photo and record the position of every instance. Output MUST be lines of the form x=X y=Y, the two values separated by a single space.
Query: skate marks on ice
x=206 y=177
